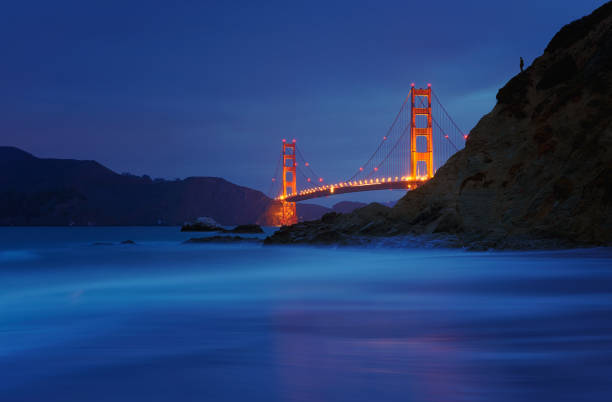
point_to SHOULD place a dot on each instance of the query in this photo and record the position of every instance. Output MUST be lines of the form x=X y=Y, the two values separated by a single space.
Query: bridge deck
x=353 y=187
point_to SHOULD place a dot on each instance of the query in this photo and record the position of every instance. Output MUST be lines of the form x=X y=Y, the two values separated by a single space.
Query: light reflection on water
x=160 y=321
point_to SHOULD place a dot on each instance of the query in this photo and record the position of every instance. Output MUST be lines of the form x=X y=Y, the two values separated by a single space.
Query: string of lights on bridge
x=389 y=166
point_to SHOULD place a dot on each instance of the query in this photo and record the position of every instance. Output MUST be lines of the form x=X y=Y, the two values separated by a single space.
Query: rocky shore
x=211 y=226
x=536 y=171
x=222 y=239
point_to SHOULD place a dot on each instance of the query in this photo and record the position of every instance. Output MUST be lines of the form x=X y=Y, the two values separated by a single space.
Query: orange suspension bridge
x=422 y=138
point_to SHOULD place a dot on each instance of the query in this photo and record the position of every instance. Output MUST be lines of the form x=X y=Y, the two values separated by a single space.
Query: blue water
x=165 y=321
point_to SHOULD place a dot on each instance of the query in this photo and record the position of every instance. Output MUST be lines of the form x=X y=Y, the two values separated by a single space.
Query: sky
x=202 y=88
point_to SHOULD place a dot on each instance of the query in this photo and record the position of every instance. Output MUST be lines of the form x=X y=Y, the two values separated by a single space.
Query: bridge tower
x=423 y=109
x=289 y=213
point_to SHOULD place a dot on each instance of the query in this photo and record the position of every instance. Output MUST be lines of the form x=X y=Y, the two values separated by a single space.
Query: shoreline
x=425 y=241
x=288 y=236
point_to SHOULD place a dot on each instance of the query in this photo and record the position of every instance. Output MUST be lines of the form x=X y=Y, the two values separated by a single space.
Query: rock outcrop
x=536 y=171
x=201 y=227
x=249 y=228
x=222 y=239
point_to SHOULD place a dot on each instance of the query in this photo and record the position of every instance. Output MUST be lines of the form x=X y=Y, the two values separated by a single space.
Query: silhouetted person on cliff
x=522 y=64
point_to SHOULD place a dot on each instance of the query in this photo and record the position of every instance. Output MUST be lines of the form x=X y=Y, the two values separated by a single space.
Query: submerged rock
x=222 y=239
x=206 y=227
x=251 y=228
x=200 y=227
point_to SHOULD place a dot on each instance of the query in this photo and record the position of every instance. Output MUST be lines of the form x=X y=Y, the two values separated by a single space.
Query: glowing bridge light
x=320 y=180
x=308 y=180
x=428 y=85
x=293 y=141
x=306 y=164
x=412 y=85
x=284 y=140
x=385 y=138
x=361 y=169
x=465 y=136
x=375 y=169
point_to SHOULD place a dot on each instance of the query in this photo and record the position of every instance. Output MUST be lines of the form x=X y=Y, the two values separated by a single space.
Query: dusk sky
x=196 y=88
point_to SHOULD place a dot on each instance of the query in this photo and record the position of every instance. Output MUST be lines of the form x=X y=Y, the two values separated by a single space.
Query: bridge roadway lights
x=342 y=188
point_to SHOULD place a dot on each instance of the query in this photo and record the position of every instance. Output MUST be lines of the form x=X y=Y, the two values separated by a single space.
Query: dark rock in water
x=247 y=229
x=206 y=227
x=201 y=227
x=128 y=242
x=334 y=228
x=536 y=171
x=222 y=239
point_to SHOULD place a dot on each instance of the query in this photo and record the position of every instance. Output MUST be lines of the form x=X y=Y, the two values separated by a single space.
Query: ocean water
x=84 y=318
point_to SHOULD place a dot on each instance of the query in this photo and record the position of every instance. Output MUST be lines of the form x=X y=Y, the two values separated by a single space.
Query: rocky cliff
x=536 y=170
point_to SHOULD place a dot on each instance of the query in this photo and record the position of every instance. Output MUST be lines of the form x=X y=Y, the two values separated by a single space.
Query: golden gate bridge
x=420 y=140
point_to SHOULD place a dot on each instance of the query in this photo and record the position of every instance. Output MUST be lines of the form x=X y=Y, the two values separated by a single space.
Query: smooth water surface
x=83 y=318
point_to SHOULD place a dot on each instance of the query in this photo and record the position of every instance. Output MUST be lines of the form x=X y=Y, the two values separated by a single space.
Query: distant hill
x=345 y=207
x=308 y=212
x=39 y=191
